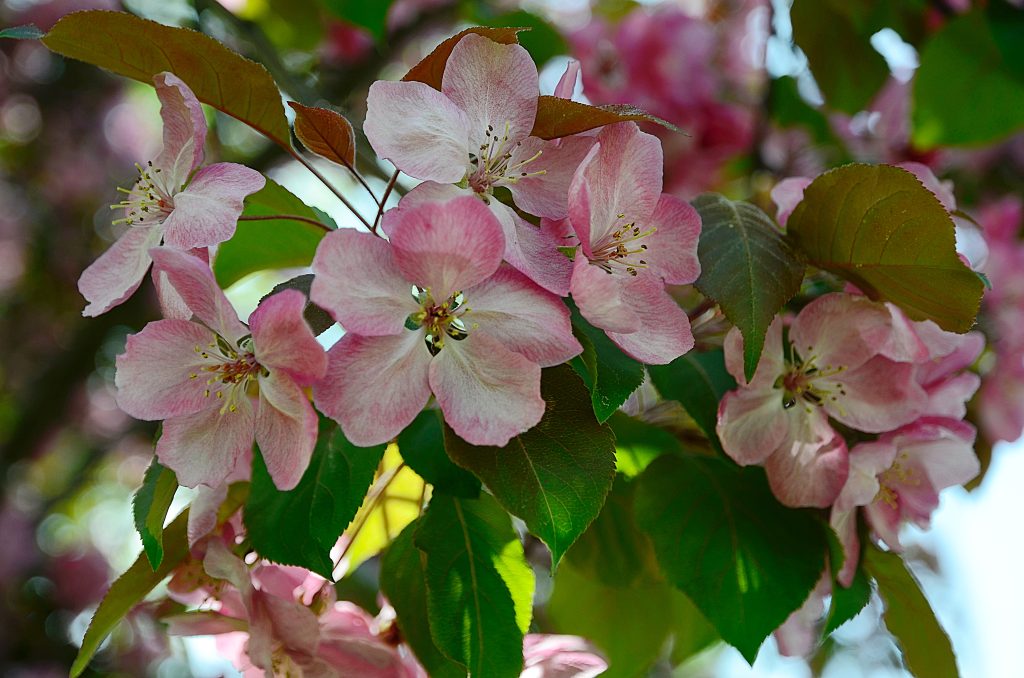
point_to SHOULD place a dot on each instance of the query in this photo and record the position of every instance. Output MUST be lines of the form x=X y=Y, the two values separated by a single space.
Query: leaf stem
x=384 y=200
x=333 y=189
x=289 y=217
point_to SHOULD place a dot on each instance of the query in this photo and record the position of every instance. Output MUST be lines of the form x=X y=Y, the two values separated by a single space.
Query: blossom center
x=621 y=251
x=492 y=163
x=233 y=371
x=805 y=382
x=896 y=475
x=441 y=321
x=148 y=200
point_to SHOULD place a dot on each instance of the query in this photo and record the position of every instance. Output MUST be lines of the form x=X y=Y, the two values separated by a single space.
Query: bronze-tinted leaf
x=431 y=69
x=557 y=117
x=326 y=133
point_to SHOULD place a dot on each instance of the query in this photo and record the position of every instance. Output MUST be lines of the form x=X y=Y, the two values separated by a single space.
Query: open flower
x=473 y=137
x=218 y=384
x=832 y=364
x=435 y=311
x=633 y=240
x=165 y=205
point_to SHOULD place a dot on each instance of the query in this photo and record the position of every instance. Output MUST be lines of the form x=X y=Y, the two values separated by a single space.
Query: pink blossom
x=218 y=384
x=169 y=204
x=473 y=137
x=435 y=312
x=800 y=633
x=633 y=240
x=550 y=656
x=838 y=361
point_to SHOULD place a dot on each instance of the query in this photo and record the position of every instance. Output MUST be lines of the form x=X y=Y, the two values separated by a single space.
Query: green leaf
x=129 y=589
x=848 y=602
x=26 y=32
x=746 y=267
x=274 y=243
x=317 y=318
x=721 y=537
x=369 y=14
x=909 y=617
x=422 y=447
x=697 y=381
x=149 y=507
x=219 y=77
x=402 y=580
x=558 y=117
x=611 y=375
x=835 y=36
x=968 y=62
x=610 y=590
x=880 y=228
x=638 y=443
x=299 y=526
x=479 y=585
x=556 y=475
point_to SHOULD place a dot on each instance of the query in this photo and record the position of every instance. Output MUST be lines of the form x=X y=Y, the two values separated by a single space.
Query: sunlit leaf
x=479 y=585
x=880 y=228
x=139 y=49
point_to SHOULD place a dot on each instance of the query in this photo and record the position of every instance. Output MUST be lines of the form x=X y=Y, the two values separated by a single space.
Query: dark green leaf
x=26 y=32
x=909 y=617
x=149 y=507
x=317 y=318
x=970 y=87
x=479 y=585
x=848 y=602
x=556 y=475
x=130 y=588
x=299 y=526
x=697 y=381
x=273 y=243
x=369 y=14
x=219 y=77
x=422 y=448
x=880 y=228
x=611 y=375
x=746 y=267
x=835 y=35
x=402 y=580
x=721 y=537
x=638 y=443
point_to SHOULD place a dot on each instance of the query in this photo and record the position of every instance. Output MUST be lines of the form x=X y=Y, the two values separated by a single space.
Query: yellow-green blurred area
x=727 y=72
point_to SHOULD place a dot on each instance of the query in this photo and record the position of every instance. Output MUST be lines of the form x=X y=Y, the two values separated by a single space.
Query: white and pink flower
x=435 y=311
x=218 y=384
x=169 y=204
x=473 y=137
x=633 y=239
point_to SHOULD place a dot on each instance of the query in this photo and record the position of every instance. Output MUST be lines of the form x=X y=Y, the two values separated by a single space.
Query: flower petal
x=194 y=281
x=488 y=394
x=286 y=429
x=524 y=317
x=813 y=471
x=621 y=175
x=283 y=341
x=786 y=195
x=206 y=213
x=841 y=329
x=867 y=460
x=374 y=386
x=446 y=246
x=533 y=251
x=771 y=365
x=204 y=447
x=118 y=272
x=496 y=85
x=184 y=132
x=844 y=524
x=663 y=332
x=358 y=281
x=601 y=298
x=544 y=191
x=154 y=374
x=878 y=396
x=421 y=131
x=171 y=303
x=752 y=424
x=672 y=248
